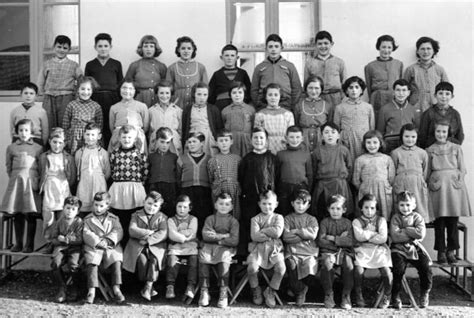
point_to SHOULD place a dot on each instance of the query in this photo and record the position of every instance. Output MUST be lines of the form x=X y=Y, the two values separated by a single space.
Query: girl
x=411 y=165
x=165 y=114
x=194 y=177
x=186 y=72
x=145 y=251
x=21 y=196
x=274 y=118
x=374 y=172
x=238 y=118
x=128 y=112
x=147 y=71
x=332 y=169
x=129 y=171
x=182 y=230
x=382 y=73
x=312 y=112
x=93 y=167
x=371 y=251
x=448 y=191
x=425 y=74
x=202 y=117
x=81 y=112
x=354 y=116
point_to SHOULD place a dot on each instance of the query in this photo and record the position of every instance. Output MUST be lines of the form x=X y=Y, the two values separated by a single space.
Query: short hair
x=224 y=196
x=198 y=135
x=184 y=198
x=443 y=122
x=62 y=39
x=155 y=196
x=267 y=194
x=165 y=83
x=294 y=129
x=196 y=86
x=323 y=35
x=128 y=81
x=224 y=133
x=185 y=39
x=311 y=79
x=407 y=127
x=238 y=85
x=331 y=125
x=102 y=196
x=401 y=82
x=258 y=129
x=125 y=129
x=336 y=198
x=275 y=38
x=87 y=79
x=367 y=197
x=73 y=200
x=270 y=86
x=31 y=85
x=103 y=36
x=149 y=39
x=426 y=39
x=164 y=133
x=92 y=126
x=444 y=86
x=57 y=132
x=405 y=196
x=22 y=122
x=229 y=47
x=301 y=194
x=385 y=38
x=371 y=134
x=353 y=79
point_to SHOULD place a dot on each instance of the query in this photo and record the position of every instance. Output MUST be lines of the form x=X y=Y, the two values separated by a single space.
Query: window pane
x=74 y=57
x=63 y=19
x=14 y=24
x=248 y=61
x=15 y=71
x=249 y=25
x=297 y=23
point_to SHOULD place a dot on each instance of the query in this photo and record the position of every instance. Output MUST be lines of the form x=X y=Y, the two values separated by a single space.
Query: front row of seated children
x=293 y=244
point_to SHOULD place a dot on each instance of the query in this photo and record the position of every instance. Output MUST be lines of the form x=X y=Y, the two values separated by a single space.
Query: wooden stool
x=406 y=288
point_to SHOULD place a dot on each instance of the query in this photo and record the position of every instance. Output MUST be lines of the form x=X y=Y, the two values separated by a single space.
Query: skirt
x=127 y=195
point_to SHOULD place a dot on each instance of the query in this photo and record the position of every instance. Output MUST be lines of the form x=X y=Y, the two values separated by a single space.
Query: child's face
x=183 y=208
x=28 y=96
x=401 y=93
x=406 y=207
x=85 y=91
x=152 y=207
x=369 y=209
x=103 y=48
x=425 y=52
x=186 y=51
x=372 y=145
x=313 y=90
x=57 y=144
x=300 y=206
x=127 y=91
x=330 y=135
x=70 y=211
x=223 y=206
x=274 y=50
x=354 y=91
x=127 y=140
x=323 y=47
x=237 y=95
x=200 y=97
x=259 y=141
x=24 y=132
x=164 y=144
x=61 y=50
x=91 y=137
x=409 y=138
x=268 y=205
x=336 y=210
x=194 y=145
x=273 y=97
x=385 y=49
x=229 y=57
x=443 y=98
x=441 y=133
x=148 y=49
x=294 y=139
x=164 y=94
x=100 y=207
x=224 y=143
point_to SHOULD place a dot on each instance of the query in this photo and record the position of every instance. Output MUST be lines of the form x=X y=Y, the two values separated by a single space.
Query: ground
x=27 y=293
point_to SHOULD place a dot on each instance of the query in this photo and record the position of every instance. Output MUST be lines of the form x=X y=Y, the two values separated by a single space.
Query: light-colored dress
x=200 y=123
x=354 y=119
x=169 y=116
x=238 y=119
x=374 y=174
x=55 y=185
x=448 y=192
x=182 y=235
x=372 y=250
x=215 y=251
x=310 y=115
x=275 y=121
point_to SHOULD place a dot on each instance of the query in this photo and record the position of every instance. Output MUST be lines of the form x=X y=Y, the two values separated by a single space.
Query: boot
x=346 y=301
x=30 y=234
x=170 y=292
x=19 y=224
x=257 y=295
x=451 y=257
x=61 y=296
x=329 y=300
x=360 y=302
x=74 y=286
x=442 y=257
x=204 y=298
x=223 y=301
x=146 y=292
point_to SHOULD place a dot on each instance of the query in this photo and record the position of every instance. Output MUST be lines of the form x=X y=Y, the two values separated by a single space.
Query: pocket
x=456 y=182
x=434 y=184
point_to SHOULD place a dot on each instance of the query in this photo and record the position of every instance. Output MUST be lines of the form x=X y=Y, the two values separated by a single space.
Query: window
x=249 y=22
x=28 y=29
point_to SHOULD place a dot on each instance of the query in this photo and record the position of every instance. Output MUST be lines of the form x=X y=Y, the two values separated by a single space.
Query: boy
x=222 y=80
x=57 y=81
x=407 y=230
x=395 y=114
x=295 y=168
x=66 y=238
x=30 y=110
x=301 y=251
x=275 y=69
x=163 y=168
x=441 y=111
x=223 y=171
x=327 y=66
x=266 y=248
x=108 y=74
x=102 y=235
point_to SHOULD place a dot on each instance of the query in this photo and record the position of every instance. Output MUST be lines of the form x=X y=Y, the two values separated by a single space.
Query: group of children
x=150 y=149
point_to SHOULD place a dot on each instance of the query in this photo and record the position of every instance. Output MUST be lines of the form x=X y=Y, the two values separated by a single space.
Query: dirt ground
x=27 y=293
